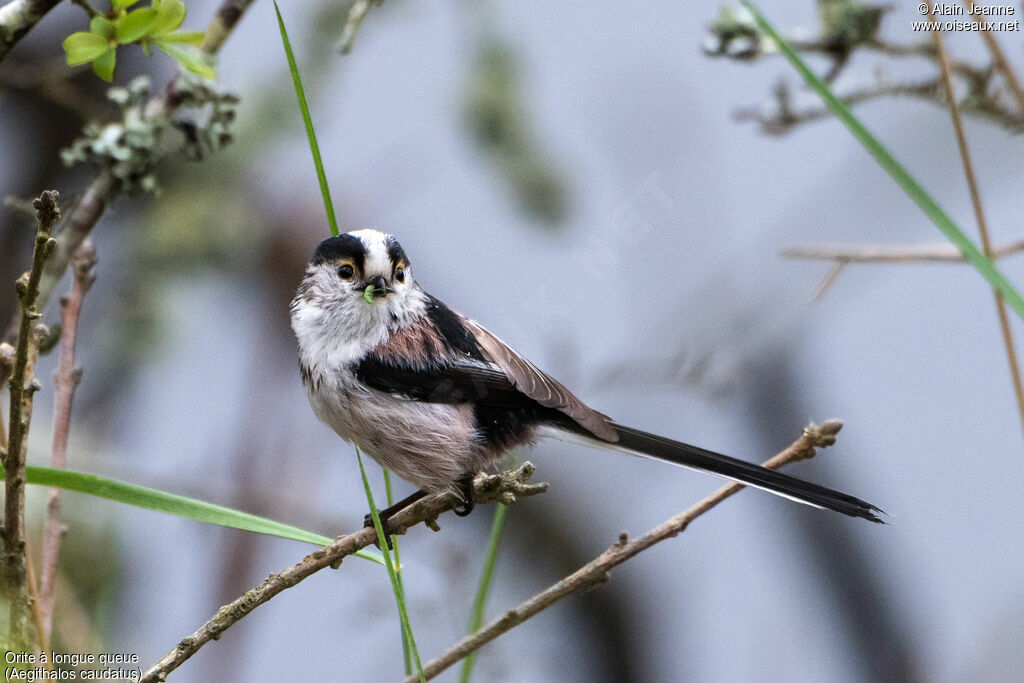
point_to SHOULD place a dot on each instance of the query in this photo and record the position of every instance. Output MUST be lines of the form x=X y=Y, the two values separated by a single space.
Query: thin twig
x=942 y=252
x=17 y=17
x=33 y=596
x=356 y=14
x=979 y=215
x=785 y=118
x=596 y=571
x=22 y=387
x=504 y=487
x=65 y=382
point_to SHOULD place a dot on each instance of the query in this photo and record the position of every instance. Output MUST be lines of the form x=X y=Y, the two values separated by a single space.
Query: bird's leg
x=465 y=484
x=388 y=512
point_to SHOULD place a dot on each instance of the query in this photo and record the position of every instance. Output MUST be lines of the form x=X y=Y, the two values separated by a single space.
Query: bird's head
x=365 y=265
x=357 y=286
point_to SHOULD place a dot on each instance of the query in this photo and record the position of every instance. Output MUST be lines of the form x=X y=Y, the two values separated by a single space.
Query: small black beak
x=380 y=287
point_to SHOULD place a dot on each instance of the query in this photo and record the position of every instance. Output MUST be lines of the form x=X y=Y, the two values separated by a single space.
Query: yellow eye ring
x=400 y=274
x=346 y=271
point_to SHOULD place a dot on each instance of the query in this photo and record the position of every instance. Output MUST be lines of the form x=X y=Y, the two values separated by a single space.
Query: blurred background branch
x=65 y=381
x=17 y=17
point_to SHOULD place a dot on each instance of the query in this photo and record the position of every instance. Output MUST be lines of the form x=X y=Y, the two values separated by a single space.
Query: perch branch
x=596 y=571
x=979 y=216
x=895 y=253
x=22 y=386
x=16 y=19
x=85 y=214
x=65 y=382
x=504 y=488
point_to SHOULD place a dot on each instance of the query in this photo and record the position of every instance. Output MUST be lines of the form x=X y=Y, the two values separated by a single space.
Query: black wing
x=450 y=359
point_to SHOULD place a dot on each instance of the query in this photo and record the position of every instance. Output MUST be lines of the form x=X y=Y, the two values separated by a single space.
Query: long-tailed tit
x=436 y=397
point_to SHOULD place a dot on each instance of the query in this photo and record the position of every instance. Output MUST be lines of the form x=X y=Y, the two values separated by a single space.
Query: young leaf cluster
x=154 y=26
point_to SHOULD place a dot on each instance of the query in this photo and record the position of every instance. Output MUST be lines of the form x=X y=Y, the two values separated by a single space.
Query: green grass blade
x=406 y=651
x=476 y=620
x=894 y=169
x=403 y=614
x=173 y=504
x=332 y=221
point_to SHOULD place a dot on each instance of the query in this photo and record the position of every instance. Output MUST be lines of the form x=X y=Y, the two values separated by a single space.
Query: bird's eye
x=346 y=272
x=400 y=274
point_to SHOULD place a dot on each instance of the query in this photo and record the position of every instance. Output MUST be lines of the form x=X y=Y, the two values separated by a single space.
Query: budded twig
x=22 y=387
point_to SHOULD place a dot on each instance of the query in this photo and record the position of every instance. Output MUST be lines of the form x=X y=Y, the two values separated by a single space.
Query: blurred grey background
x=631 y=251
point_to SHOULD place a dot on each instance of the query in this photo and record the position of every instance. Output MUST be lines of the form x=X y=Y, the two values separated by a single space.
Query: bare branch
x=22 y=387
x=942 y=252
x=65 y=381
x=356 y=14
x=504 y=488
x=17 y=17
x=596 y=571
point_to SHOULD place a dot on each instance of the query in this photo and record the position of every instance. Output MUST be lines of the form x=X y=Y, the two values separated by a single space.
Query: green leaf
x=184 y=37
x=84 y=47
x=102 y=26
x=122 y=4
x=103 y=66
x=189 y=60
x=332 y=221
x=135 y=25
x=171 y=15
x=173 y=504
x=899 y=174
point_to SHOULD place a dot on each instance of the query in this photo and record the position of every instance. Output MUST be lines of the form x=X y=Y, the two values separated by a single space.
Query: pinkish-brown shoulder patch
x=417 y=344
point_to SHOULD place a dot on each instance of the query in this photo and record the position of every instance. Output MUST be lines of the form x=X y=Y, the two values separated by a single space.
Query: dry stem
x=942 y=252
x=979 y=215
x=65 y=382
x=22 y=387
x=504 y=488
x=596 y=571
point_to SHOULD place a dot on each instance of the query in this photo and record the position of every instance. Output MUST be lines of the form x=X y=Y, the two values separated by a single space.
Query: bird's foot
x=465 y=484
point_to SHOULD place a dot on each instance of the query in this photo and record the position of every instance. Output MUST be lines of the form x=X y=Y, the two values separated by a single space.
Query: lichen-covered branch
x=17 y=17
x=596 y=571
x=65 y=382
x=504 y=488
x=22 y=387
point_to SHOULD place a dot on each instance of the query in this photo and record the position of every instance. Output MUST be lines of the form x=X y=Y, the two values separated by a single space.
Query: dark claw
x=465 y=484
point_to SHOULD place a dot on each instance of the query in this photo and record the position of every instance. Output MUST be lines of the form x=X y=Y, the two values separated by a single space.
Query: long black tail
x=747 y=473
